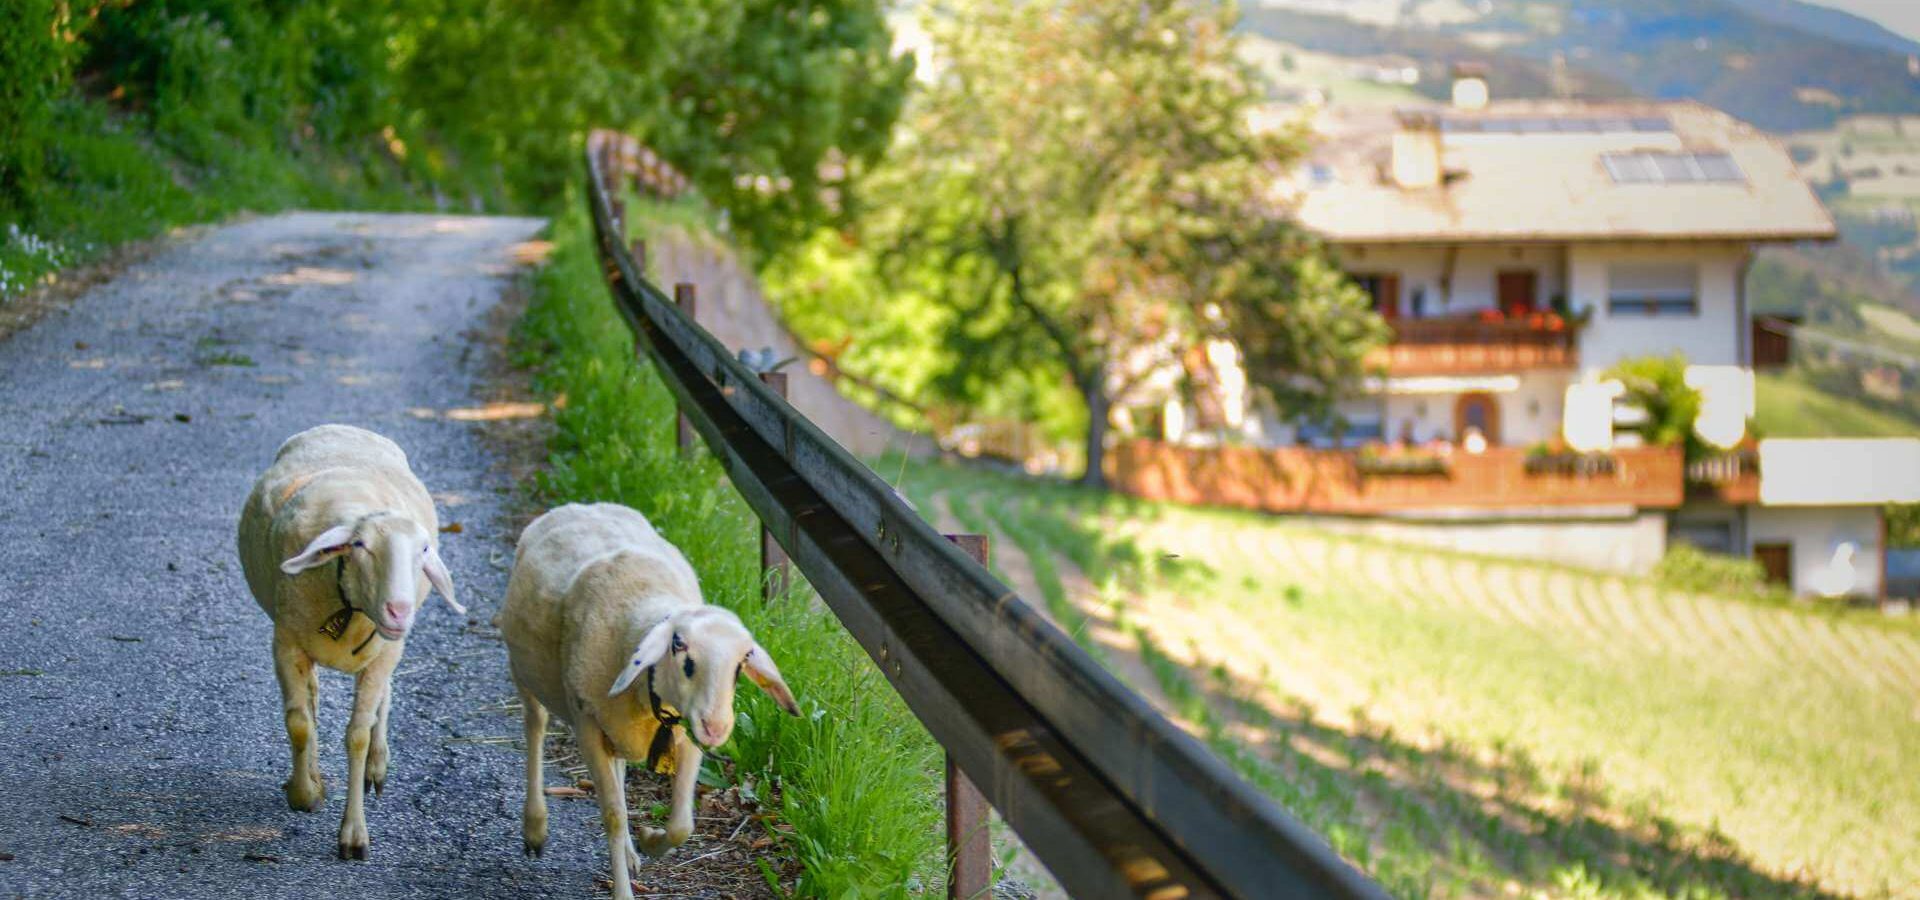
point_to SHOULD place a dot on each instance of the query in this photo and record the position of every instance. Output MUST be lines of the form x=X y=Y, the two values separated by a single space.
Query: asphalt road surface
x=141 y=744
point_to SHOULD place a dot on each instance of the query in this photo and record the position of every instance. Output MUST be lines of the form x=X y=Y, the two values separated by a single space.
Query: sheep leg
x=610 y=787
x=686 y=773
x=369 y=691
x=306 y=790
x=533 y=817
x=377 y=752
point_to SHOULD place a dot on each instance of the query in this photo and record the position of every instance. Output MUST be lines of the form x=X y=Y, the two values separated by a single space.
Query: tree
x=1083 y=179
x=1658 y=386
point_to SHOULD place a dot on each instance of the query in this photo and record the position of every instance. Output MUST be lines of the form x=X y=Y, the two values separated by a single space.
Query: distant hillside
x=1785 y=67
x=1829 y=23
x=1434 y=51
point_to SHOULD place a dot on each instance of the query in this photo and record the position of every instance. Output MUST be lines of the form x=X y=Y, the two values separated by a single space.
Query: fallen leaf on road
x=182 y=417
x=567 y=792
x=84 y=823
x=126 y=639
x=452 y=528
x=260 y=857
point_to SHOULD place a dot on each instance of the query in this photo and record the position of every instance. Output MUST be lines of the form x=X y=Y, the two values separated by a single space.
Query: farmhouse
x=1519 y=251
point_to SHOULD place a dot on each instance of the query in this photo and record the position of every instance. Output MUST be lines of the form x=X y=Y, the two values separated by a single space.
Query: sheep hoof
x=353 y=851
x=306 y=797
x=534 y=850
x=377 y=786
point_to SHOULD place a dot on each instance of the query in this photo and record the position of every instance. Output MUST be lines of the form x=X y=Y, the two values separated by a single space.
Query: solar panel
x=1553 y=125
x=1671 y=168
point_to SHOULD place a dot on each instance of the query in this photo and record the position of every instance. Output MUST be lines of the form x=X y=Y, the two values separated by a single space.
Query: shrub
x=1689 y=568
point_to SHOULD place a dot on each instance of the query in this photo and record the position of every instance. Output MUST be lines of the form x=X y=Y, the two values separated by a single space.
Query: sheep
x=604 y=624
x=341 y=495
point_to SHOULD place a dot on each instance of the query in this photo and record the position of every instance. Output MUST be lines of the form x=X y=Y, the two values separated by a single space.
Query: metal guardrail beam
x=1112 y=797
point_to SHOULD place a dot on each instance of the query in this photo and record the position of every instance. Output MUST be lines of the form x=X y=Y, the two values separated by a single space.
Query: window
x=1385 y=291
x=1651 y=291
x=1671 y=168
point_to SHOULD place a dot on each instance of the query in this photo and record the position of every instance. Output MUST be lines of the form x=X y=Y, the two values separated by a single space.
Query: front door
x=1478 y=412
x=1518 y=288
x=1776 y=560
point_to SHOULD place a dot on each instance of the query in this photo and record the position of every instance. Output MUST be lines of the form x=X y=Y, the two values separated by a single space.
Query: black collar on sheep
x=663 y=735
x=336 y=625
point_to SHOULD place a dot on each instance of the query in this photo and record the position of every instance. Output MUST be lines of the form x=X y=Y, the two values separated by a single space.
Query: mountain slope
x=1827 y=22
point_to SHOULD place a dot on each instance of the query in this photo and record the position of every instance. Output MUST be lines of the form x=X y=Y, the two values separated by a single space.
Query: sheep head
x=697 y=655
x=391 y=562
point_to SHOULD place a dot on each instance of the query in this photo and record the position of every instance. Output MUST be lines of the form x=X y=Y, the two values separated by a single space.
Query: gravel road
x=141 y=745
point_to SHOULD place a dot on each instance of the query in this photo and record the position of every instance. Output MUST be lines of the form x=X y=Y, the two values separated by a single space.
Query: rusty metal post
x=683 y=297
x=776 y=571
x=969 y=844
x=637 y=248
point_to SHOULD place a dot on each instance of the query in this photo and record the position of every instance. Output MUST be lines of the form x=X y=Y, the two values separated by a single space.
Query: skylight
x=1555 y=125
x=1671 y=168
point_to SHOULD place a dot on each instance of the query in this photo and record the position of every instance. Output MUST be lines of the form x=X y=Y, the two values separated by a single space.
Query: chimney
x=1470 y=86
x=1416 y=150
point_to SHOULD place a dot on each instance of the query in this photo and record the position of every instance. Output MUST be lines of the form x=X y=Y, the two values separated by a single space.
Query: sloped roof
x=1537 y=170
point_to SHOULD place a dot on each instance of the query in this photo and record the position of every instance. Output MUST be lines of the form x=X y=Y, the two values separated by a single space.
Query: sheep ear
x=651 y=648
x=329 y=544
x=436 y=570
x=761 y=671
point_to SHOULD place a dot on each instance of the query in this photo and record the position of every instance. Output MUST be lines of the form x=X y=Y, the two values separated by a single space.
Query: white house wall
x=1815 y=533
x=1528 y=415
x=1711 y=338
x=1475 y=273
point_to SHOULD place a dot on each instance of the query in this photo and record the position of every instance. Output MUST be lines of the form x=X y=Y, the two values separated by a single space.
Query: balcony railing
x=1344 y=482
x=1467 y=346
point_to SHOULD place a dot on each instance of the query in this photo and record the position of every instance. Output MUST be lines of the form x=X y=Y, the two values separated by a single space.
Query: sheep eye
x=359 y=545
x=689 y=667
x=679 y=646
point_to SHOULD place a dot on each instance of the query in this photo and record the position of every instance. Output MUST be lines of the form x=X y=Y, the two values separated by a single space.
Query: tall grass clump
x=857 y=775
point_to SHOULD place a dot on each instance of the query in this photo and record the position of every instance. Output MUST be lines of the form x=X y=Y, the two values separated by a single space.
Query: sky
x=1899 y=16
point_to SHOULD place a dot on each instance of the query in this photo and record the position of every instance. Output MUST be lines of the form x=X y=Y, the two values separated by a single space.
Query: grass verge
x=858 y=776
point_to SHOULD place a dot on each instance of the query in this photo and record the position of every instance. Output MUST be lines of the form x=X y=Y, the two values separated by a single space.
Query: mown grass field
x=1467 y=727
x=1785 y=405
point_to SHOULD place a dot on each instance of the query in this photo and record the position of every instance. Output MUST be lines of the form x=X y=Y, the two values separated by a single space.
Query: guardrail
x=1112 y=797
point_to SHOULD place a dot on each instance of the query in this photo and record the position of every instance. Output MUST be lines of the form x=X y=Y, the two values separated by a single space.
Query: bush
x=1689 y=568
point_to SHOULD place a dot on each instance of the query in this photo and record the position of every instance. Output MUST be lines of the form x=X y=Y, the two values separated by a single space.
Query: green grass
x=110 y=182
x=858 y=775
x=1463 y=726
x=1787 y=406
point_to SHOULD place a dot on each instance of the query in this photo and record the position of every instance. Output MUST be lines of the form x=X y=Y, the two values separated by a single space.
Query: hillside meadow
x=1462 y=726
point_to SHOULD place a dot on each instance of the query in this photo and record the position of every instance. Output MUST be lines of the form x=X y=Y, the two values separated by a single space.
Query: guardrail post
x=637 y=248
x=773 y=557
x=969 y=845
x=684 y=297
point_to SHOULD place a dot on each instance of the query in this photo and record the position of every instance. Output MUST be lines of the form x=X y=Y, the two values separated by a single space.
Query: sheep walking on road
x=339 y=544
x=604 y=624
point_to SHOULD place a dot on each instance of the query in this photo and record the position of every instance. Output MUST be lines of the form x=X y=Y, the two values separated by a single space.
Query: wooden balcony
x=1471 y=346
x=1343 y=482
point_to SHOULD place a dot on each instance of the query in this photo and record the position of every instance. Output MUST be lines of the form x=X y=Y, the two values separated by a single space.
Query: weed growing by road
x=858 y=775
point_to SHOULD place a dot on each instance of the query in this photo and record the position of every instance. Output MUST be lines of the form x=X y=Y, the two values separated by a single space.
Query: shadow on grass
x=1422 y=819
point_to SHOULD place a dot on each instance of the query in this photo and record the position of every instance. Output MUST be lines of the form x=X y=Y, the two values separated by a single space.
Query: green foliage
x=858 y=776
x=1658 y=386
x=32 y=68
x=1689 y=568
x=1080 y=195
x=211 y=106
x=1903 y=525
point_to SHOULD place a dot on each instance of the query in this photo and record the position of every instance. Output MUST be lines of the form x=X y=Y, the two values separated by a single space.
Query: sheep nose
x=399 y=614
x=713 y=730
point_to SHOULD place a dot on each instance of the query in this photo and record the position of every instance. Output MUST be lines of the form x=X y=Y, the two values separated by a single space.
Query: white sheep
x=339 y=544
x=604 y=624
